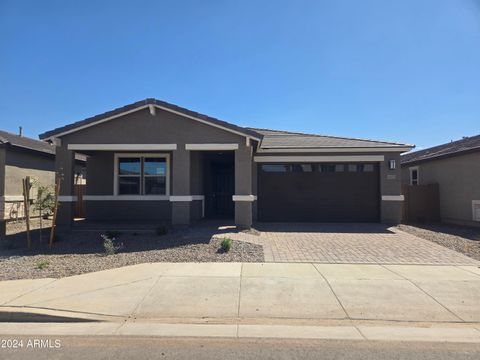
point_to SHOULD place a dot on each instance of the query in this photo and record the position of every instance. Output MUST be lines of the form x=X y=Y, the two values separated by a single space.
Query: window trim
x=410 y=171
x=117 y=156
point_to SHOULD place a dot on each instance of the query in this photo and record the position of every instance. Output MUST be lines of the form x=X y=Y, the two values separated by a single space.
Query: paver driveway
x=348 y=243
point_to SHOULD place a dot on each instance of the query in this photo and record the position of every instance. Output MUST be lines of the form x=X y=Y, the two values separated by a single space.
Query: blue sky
x=405 y=71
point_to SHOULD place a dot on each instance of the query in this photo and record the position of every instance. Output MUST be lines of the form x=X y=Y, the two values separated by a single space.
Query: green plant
x=43 y=264
x=226 y=244
x=161 y=230
x=108 y=245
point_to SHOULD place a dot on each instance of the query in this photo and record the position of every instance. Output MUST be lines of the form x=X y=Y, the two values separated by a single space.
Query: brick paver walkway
x=348 y=243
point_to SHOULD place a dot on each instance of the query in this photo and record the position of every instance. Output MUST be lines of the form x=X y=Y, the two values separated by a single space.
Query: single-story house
x=21 y=156
x=455 y=167
x=154 y=161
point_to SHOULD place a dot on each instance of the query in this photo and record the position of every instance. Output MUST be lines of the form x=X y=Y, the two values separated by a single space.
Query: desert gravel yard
x=80 y=252
x=463 y=239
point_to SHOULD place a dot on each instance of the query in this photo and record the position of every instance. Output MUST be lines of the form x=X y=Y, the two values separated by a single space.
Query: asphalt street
x=119 y=348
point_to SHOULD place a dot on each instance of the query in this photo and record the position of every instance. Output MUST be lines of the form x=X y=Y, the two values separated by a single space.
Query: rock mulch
x=81 y=252
x=465 y=240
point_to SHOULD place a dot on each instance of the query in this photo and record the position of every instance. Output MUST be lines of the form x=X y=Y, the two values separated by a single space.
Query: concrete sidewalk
x=256 y=293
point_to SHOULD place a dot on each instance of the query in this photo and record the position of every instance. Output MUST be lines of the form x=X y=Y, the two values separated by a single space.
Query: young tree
x=44 y=203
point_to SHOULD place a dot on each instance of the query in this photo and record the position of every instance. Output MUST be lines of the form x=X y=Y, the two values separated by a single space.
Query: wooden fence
x=80 y=203
x=422 y=203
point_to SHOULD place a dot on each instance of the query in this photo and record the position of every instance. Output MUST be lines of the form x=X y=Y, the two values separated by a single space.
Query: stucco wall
x=142 y=128
x=128 y=210
x=458 y=179
x=19 y=164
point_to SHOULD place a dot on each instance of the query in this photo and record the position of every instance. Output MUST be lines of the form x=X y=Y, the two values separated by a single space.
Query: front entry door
x=223 y=184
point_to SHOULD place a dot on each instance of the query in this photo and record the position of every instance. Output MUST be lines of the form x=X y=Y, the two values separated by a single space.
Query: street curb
x=459 y=334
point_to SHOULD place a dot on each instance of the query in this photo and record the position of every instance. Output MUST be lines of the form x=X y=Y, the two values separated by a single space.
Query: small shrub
x=42 y=264
x=226 y=244
x=161 y=230
x=108 y=245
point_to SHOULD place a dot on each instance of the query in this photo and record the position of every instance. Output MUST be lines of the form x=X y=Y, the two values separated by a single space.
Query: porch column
x=243 y=197
x=391 y=197
x=65 y=166
x=180 y=189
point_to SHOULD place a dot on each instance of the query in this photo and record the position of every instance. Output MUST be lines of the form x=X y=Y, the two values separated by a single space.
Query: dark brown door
x=318 y=192
x=222 y=189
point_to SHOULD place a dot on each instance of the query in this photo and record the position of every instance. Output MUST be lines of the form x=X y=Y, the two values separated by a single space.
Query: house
x=154 y=161
x=455 y=167
x=21 y=156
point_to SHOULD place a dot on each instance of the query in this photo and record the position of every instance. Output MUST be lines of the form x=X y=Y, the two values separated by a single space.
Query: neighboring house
x=154 y=161
x=455 y=167
x=21 y=156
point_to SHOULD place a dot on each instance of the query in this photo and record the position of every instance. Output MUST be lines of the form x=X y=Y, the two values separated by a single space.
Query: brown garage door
x=318 y=192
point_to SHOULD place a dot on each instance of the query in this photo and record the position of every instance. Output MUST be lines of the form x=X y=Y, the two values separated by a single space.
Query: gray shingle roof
x=26 y=142
x=275 y=139
x=466 y=144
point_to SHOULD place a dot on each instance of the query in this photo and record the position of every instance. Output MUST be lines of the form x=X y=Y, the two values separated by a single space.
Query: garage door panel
x=318 y=196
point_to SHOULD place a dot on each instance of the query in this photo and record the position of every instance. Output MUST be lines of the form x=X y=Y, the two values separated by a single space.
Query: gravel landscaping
x=80 y=252
x=463 y=239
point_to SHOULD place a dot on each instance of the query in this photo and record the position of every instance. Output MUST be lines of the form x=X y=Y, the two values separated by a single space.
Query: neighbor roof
x=32 y=144
x=26 y=142
x=276 y=139
x=269 y=139
x=466 y=144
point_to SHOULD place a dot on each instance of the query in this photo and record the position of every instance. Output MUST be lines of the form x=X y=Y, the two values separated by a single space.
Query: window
x=330 y=168
x=361 y=168
x=276 y=168
x=302 y=167
x=142 y=174
x=414 y=176
x=352 y=167
x=368 y=167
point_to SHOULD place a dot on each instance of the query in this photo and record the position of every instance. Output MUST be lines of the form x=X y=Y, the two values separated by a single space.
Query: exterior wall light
x=392 y=164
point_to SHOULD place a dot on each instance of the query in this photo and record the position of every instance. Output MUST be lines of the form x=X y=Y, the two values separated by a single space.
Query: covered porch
x=175 y=184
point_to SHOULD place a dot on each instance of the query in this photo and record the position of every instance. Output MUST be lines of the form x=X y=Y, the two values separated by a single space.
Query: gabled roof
x=458 y=147
x=143 y=104
x=26 y=143
x=275 y=139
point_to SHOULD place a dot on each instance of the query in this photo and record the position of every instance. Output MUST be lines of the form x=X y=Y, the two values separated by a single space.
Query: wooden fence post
x=55 y=209
x=26 y=204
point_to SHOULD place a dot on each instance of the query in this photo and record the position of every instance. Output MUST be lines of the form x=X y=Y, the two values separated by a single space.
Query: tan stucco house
x=154 y=161
x=455 y=167
x=21 y=156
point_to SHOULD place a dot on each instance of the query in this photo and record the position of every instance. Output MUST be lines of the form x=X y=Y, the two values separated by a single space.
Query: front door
x=223 y=183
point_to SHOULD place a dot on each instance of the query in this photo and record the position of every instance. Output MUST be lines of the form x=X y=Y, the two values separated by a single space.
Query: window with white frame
x=414 y=178
x=141 y=174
